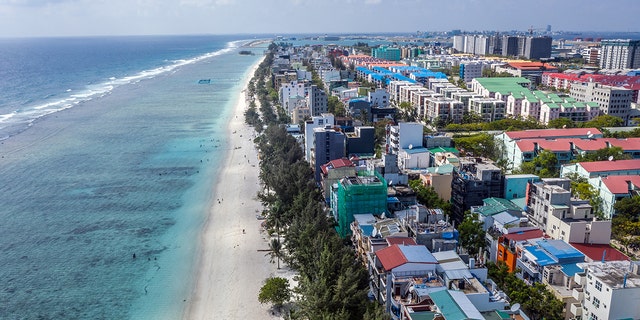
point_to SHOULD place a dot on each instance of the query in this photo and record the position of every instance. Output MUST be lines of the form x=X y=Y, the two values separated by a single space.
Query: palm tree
x=275 y=250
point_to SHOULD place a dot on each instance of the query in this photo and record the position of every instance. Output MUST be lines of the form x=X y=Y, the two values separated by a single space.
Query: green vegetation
x=625 y=225
x=479 y=145
x=275 y=290
x=507 y=124
x=544 y=165
x=581 y=189
x=616 y=153
x=536 y=301
x=336 y=106
x=428 y=197
x=472 y=237
x=332 y=284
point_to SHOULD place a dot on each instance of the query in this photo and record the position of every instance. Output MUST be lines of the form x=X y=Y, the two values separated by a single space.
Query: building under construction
x=361 y=194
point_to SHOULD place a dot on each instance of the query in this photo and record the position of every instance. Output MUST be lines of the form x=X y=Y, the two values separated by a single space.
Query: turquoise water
x=128 y=172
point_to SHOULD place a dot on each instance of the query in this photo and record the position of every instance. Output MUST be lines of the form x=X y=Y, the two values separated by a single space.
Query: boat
x=204 y=81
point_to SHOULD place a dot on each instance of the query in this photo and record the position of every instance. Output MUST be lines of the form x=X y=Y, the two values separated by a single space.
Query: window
x=596 y=302
x=598 y=285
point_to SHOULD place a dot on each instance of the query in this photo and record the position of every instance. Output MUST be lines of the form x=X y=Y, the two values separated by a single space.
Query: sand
x=233 y=263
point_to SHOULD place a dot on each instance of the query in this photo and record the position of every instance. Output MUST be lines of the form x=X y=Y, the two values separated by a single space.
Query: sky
x=29 y=18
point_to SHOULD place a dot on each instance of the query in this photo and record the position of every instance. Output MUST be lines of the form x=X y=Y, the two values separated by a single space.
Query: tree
x=561 y=123
x=544 y=165
x=604 y=120
x=407 y=112
x=613 y=153
x=275 y=251
x=481 y=144
x=428 y=196
x=472 y=236
x=335 y=106
x=275 y=290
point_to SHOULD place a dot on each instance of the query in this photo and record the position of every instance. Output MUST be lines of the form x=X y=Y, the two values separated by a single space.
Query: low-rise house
x=393 y=269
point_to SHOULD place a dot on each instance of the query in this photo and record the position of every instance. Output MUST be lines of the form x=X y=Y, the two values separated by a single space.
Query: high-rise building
x=620 y=54
x=509 y=46
x=537 y=47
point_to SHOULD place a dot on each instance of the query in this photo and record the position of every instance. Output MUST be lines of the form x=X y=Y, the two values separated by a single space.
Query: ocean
x=109 y=149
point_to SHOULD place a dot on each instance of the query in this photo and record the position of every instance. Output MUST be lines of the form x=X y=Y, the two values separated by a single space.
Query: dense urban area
x=476 y=176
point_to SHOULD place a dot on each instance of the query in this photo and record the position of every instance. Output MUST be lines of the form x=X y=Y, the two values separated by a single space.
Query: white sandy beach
x=233 y=264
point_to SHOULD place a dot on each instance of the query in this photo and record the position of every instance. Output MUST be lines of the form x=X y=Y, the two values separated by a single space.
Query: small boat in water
x=204 y=81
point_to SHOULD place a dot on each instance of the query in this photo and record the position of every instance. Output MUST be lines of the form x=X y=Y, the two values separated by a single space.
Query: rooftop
x=552 y=133
x=598 y=252
x=397 y=255
x=496 y=205
x=613 y=273
x=504 y=85
x=608 y=166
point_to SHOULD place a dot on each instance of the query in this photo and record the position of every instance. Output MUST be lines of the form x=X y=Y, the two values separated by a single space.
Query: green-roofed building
x=454 y=305
x=489 y=87
x=494 y=206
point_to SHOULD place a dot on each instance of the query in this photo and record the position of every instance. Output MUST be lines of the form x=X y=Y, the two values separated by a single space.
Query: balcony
x=576 y=309
x=578 y=294
x=580 y=279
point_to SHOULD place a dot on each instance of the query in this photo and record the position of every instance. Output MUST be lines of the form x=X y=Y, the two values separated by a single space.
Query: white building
x=614 y=101
x=620 y=54
x=295 y=90
x=403 y=135
x=378 y=98
x=610 y=290
x=321 y=121
x=470 y=71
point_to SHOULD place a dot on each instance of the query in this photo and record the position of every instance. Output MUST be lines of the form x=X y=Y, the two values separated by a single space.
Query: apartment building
x=614 y=101
x=620 y=54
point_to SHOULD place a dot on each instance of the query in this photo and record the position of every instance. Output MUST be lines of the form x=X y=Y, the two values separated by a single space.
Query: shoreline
x=232 y=265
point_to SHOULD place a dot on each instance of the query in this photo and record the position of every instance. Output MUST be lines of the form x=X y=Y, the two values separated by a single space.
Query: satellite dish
x=610 y=158
x=590 y=135
x=390 y=182
x=410 y=146
x=589 y=132
x=515 y=307
x=564 y=126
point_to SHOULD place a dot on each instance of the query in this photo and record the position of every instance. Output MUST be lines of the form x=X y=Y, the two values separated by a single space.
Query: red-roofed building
x=600 y=252
x=507 y=250
x=564 y=81
x=333 y=171
x=568 y=149
x=393 y=264
x=614 y=188
x=554 y=133
x=602 y=168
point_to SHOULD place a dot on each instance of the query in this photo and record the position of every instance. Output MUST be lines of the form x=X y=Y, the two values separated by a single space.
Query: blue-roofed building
x=543 y=254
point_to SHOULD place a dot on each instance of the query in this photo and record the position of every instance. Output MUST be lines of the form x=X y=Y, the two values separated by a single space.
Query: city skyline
x=28 y=18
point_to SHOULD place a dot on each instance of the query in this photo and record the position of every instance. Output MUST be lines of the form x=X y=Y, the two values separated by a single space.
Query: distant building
x=620 y=54
x=613 y=101
x=387 y=53
x=537 y=48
